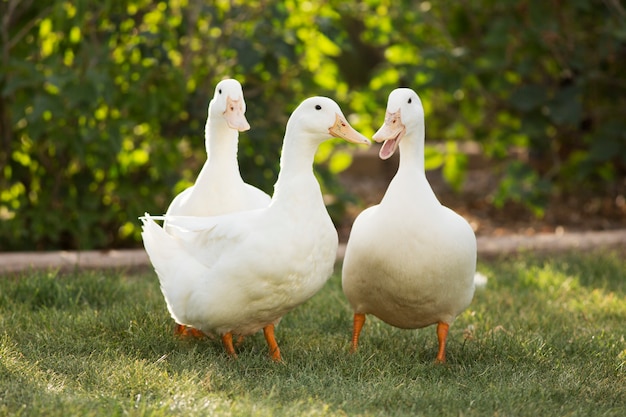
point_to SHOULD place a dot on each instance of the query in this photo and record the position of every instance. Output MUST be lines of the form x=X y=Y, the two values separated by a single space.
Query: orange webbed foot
x=187 y=331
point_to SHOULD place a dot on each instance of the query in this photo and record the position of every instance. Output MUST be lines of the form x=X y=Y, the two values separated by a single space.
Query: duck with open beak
x=390 y=133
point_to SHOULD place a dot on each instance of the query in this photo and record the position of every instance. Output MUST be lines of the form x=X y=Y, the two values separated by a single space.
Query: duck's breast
x=277 y=266
x=410 y=268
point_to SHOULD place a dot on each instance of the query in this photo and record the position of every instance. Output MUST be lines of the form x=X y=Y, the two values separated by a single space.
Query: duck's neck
x=411 y=178
x=221 y=145
x=296 y=178
x=412 y=154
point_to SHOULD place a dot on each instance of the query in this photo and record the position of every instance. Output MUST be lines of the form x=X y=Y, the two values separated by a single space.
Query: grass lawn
x=546 y=337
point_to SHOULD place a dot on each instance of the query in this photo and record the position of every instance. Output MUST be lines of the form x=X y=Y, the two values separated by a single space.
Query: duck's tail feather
x=177 y=271
x=159 y=245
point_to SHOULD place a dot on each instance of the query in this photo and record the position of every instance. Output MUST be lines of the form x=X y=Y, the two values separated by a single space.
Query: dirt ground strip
x=488 y=247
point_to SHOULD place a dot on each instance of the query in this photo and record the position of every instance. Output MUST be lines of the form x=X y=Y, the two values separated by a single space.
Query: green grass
x=545 y=338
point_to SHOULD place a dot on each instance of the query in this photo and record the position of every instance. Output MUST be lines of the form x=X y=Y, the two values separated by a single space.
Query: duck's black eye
x=318 y=107
x=410 y=100
x=219 y=91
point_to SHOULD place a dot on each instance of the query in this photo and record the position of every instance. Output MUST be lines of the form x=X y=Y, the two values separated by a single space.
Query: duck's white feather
x=410 y=260
x=242 y=271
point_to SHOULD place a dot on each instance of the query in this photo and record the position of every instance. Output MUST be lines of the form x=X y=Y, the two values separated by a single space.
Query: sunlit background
x=103 y=104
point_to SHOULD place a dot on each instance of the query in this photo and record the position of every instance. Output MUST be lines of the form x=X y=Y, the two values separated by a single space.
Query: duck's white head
x=404 y=114
x=228 y=103
x=321 y=117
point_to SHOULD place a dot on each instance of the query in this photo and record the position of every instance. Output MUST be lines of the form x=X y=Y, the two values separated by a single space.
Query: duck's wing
x=209 y=239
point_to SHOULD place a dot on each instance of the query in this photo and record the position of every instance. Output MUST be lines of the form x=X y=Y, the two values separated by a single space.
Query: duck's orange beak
x=390 y=133
x=234 y=115
x=342 y=129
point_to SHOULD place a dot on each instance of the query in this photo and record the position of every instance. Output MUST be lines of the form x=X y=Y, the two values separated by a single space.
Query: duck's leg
x=186 y=331
x=192 y=331
x=268 y=331
x=359 y=321
x=227 y=340
x=442 y=335
x=179 y=330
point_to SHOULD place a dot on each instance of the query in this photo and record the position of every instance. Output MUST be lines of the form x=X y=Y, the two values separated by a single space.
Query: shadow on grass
x=534 y=338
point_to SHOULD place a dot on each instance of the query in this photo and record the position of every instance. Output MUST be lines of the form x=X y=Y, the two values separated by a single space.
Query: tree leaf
x=528 y=97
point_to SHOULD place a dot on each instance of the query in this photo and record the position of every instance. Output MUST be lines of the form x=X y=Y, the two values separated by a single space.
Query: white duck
x=409 y=261
x=219 y=188
x=238 y=273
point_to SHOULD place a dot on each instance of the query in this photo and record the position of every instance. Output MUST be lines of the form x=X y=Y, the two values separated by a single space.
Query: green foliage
x=545 y=337
x=517 y=74
x=102 y=104
x=557 y=86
